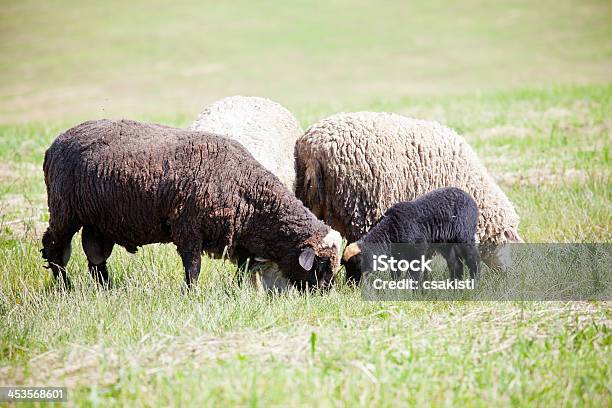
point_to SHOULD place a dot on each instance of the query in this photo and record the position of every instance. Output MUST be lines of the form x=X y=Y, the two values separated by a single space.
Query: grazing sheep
x=351 y=167
x=265 y=128
x=444 y=216
x=133 y=184
x=268 y=131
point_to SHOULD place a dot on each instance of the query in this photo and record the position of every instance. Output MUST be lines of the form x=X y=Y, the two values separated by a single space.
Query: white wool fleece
x=353 y=166
x=265 y=128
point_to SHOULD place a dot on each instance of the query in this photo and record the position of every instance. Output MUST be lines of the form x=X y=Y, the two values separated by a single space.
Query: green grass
x=529 y=86
x=144 y=342
x=65 y=60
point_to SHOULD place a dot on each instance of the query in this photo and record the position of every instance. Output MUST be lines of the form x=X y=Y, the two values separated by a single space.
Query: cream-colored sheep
x=351 y=167
x=265 y=128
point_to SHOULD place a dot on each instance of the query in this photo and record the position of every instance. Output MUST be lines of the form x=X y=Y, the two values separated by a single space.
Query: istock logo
x=530 y=272
x=383 y=263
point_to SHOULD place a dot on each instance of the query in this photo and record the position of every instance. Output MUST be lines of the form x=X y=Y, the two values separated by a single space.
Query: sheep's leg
x=458 y=270
x=192 y=259
x=57 y=246
x=455 y=267
x=189 y=244
x=244 y=263
x=97 y=249
x=470 y=254
x=190 y=251
x=489 y=254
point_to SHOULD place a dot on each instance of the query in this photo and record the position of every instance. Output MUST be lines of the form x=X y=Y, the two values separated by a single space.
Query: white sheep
x=351 y=167
x=265 y=128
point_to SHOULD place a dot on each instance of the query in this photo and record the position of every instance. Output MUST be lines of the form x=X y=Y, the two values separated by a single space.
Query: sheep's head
x=498 y=255
x=511 y=235
x=318 y=262
x=351 y=260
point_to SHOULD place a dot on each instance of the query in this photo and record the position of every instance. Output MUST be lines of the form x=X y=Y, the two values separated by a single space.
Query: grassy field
x=528 y=84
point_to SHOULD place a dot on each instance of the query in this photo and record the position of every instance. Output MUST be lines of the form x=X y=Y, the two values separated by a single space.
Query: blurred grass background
x=69 y=60
x=529 y=84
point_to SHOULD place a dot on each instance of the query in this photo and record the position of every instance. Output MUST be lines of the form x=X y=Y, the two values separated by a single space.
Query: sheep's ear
x=350 y=251
x=512 y=236
x=307 y=258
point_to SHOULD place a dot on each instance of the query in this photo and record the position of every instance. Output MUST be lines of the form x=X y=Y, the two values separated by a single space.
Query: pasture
x=528 y=84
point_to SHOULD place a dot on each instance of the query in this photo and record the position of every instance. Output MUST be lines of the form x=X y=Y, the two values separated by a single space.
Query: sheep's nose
x=327 y=283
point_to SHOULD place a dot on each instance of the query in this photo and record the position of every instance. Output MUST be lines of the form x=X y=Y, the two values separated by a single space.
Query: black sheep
x=443 y=216
x=132 y=184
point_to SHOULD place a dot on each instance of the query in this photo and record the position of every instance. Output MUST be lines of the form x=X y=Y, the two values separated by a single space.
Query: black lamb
x=132 y=184
x=443 y=216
